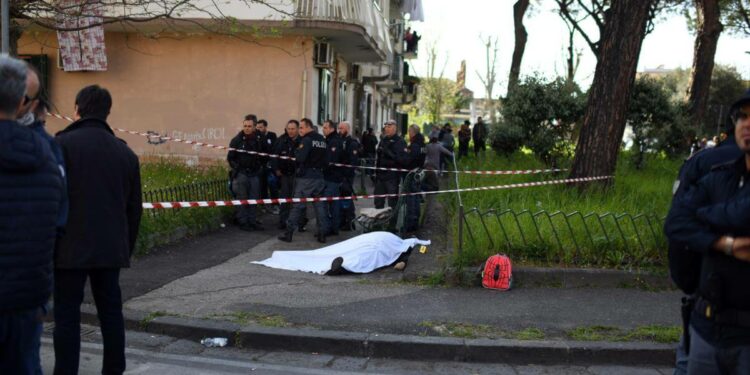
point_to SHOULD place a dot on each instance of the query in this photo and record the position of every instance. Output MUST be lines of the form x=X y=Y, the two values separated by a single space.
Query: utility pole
x=5 y=21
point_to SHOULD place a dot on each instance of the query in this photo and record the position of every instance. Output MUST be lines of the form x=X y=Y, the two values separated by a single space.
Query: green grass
x=529 y=334
x=656 y=333
x=247 y=318
x=158 y=230
x=151 y=316
x=531 y=236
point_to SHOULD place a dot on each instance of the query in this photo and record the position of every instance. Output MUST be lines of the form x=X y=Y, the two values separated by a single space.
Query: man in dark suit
x=104 y=188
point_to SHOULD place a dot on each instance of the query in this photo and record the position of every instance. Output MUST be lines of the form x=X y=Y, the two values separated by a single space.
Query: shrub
x=506 y=139
x=546 y=113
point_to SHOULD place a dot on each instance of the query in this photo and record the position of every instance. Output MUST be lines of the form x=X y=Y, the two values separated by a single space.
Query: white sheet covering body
x=361 y=254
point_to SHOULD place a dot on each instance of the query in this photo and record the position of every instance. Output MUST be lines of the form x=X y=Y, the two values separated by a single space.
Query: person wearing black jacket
x=246 y=171
x=333 y=175
x=369 y=143
x=31 y=187
x=285 y=169
x=416 y=157
x=391 y=153
x=269 y=186
x=479 y=134
x=685 y=265
x=720 y=322
x=310 y=160
x=104 y=189
x=352 y=151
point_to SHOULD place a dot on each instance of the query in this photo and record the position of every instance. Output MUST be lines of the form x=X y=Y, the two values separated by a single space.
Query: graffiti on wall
x=206 y=135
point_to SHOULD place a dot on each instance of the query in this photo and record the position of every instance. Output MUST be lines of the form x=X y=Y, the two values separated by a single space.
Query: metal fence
x=212 y=190
x=574 y=237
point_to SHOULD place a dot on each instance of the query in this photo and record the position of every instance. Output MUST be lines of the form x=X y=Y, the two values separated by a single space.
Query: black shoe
x=336 y=268
x=282 y=226
x=332 y=233
x=321 y=238
x=248 y=227
x=286 y=237
x=302 y=228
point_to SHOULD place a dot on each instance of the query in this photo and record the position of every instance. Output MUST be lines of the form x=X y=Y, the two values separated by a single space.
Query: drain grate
x=86 y=331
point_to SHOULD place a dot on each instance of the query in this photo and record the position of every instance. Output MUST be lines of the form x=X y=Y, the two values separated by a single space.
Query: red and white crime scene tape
x=244 y=202
x=218 y=147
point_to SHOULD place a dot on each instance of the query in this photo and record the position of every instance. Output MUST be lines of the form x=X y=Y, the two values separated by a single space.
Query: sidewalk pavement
x=212 y=278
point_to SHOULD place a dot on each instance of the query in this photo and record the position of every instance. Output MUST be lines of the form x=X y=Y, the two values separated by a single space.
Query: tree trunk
x=572 y=65
x=708 y=31
x=519 y=10
x=606 y=111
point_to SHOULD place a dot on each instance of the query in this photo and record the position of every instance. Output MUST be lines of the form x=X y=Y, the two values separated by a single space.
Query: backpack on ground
x=497 y=273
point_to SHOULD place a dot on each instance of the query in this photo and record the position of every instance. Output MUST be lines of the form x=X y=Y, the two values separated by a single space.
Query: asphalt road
x=155 y=354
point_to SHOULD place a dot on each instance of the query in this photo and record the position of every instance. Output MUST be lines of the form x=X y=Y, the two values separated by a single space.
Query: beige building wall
x=197 y=88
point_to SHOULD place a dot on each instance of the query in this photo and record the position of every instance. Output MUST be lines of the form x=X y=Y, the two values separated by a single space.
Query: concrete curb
x=408 y=347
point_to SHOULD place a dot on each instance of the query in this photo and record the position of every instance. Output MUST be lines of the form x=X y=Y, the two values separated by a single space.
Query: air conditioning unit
x=355 y=73
x=323 y=55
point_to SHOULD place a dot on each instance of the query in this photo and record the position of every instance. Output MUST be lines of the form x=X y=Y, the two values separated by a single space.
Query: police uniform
x=334 y=177
x=246 y=169
x=350 y=156
x=416 y=157
x=269 y=187
x=285 y=146
x=391 y=153
x=684 y=265
x=310 y=161
x=720 y=321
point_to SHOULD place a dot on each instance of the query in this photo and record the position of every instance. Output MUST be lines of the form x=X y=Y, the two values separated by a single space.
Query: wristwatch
x=729 y=245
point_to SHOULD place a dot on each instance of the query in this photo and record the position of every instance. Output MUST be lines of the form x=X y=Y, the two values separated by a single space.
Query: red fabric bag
x=497 y=273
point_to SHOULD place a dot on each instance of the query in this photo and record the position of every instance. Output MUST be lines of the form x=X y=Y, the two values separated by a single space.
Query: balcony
x=356 y=28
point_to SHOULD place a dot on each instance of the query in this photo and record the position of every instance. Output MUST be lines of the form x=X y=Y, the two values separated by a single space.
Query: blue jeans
x=20 y=336
x=705 y=359
x=334 y=207
x=246 y=187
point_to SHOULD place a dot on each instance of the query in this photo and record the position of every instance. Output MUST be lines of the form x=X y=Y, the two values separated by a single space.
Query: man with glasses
x=391 y=153
x=310 y=160
x=32 y=189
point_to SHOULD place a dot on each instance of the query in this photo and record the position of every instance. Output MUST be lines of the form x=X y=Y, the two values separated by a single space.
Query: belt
x=734 y=317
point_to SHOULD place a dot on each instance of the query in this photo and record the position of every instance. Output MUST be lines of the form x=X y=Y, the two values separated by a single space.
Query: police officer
x=685 y=266
x=310 y=161
x=416 y=157
x=285 y=169
x=391 y=153
x=704 y=219
x=269 y=185
x=246 y=169
x=333 y=175
x=350 y=156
